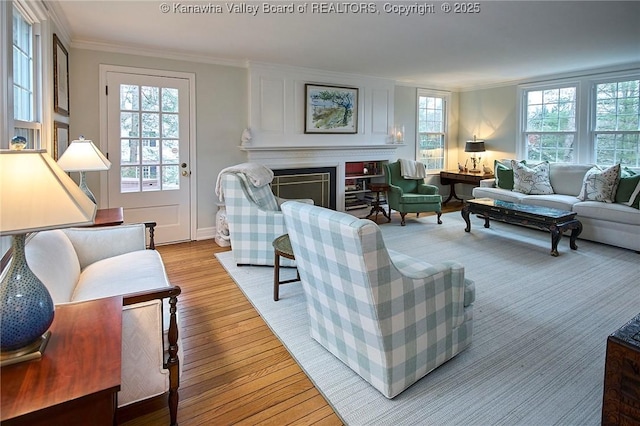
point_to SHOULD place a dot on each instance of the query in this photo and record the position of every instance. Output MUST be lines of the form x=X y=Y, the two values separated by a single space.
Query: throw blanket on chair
x=257 y=174
x=412 y=169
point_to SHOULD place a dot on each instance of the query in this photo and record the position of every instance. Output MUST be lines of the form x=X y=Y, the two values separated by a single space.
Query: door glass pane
x=170 y=151
x=150 y=98
x=170 y=177
x=129 y=97
x=169 y=100
x=129 y=124
x=150 y=151
x=150 y=125
x=129 y=179
x=150 y=179
x=129 y=149
x=170 y=128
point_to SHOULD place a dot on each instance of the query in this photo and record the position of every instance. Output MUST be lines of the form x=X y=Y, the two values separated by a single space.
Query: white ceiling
x=505 y=41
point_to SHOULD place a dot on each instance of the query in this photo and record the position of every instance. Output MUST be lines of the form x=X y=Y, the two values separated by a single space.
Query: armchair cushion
x=390 y=318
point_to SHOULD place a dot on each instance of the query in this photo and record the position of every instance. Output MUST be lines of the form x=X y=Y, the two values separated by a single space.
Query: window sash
x=431 y=137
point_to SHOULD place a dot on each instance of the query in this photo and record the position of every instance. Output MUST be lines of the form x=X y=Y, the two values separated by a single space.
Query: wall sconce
x=397 y=134
x=474 y=146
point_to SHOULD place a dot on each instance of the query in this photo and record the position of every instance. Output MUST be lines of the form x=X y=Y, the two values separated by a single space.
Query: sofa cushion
x=628 y=191
x=124 y=274
x=566 y=178
x=610 y=212
x=531 y=180
x=52 y=258
x=498 y=194
x=600 y=185
x=554 y=201
x=93 y=244
x=420 y=198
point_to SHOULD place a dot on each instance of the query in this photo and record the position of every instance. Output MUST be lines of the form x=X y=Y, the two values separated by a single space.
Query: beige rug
x=540 y=329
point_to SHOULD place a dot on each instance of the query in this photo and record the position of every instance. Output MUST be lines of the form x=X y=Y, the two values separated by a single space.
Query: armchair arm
x=427 y=189
x=280 y=200
x=488 y=183
x=172 y=361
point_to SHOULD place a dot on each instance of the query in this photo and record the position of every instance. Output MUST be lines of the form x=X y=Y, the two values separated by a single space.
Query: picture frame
x=331 y=109
x=60 y=77
x=60 y=139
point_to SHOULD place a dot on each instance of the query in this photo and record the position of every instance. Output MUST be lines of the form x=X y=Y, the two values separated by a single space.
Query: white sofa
x=610 y=223
x=81 y=264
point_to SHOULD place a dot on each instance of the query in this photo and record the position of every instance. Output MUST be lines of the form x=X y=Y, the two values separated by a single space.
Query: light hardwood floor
x=235 y=371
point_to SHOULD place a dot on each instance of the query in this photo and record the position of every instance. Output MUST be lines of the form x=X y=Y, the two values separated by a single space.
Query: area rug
x=540 y=328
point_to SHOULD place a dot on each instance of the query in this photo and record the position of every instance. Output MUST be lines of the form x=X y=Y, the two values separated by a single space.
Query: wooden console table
x=78 y=377
x=453 y=177
x=621 y=399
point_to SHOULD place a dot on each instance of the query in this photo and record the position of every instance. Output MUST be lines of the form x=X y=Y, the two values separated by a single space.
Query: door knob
x=185 y=173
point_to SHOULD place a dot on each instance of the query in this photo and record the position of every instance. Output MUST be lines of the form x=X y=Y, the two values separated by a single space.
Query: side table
x=376 y=207
x=453 y=177
x=78 y=377
x=281 y=247
x=621 y=395
x=109 y=217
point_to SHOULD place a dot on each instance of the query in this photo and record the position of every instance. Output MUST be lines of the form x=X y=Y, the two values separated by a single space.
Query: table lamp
x=83 y=156
x=474 y=146
x=35 y=195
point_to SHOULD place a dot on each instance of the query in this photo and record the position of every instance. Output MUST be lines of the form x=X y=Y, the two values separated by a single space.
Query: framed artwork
x=330 y=109
x=60 y=78
x=60 y=139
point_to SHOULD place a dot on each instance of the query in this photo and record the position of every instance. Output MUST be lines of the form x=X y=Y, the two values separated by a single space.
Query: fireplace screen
x=317 y=184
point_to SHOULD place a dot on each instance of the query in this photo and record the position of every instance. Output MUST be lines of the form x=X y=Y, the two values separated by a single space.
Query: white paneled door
x=148 y=145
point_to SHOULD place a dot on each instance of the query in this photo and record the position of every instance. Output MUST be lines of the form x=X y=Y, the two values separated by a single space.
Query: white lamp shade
x=36 y=195
x=83 y=156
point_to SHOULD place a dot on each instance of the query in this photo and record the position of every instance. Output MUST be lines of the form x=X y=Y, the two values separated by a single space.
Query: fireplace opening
x=317 y=183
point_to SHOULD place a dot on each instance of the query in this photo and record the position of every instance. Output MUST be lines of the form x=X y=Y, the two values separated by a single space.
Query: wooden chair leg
x=402 y=222
x=439 y=221
x=173 y=363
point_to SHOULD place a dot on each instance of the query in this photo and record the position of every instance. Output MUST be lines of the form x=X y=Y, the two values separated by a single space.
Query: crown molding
x=156 y=53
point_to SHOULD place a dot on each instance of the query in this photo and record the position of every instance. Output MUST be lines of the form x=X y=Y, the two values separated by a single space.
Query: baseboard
x=137 y=409
x=205 y=233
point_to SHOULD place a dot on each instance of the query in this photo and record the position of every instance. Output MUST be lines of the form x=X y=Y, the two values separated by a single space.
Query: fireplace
x=317 y=183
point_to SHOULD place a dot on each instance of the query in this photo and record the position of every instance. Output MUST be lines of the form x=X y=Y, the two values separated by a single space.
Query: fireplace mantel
x=275 y=156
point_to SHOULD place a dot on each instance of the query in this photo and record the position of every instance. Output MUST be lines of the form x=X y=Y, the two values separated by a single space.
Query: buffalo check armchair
x=391 y=318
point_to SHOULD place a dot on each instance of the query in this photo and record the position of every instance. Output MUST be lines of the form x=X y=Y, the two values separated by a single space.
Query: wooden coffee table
x=553 y=220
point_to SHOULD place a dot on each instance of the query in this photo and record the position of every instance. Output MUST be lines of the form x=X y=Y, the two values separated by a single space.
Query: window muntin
x=26 y=69
x=431 y=133
x=149 y=144
x=550 y=128
x=616 y=121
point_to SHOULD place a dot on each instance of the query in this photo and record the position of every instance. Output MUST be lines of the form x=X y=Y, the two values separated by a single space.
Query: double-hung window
x=23 y=55
x=550 y=130
x=616 y=123
x=589 y=119
x=432 y=129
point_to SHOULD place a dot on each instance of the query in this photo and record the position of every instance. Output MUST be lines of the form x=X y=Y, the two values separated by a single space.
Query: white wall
x=277 y=106
x=221 y=108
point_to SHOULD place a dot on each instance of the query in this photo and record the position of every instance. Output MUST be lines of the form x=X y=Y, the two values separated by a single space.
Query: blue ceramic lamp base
x=26 y=307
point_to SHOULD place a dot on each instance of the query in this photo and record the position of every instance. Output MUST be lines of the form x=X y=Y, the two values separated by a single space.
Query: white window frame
x=592 y=115
x=446 y=99
x=36 y=15
x=584 y=149
x=521 y=149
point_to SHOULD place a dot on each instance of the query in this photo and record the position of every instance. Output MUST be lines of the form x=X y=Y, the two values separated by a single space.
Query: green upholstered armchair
x=410 y=195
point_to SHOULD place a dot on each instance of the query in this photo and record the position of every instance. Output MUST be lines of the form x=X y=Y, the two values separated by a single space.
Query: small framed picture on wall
x=60 y=138
x=60 y=77
x=331 y=109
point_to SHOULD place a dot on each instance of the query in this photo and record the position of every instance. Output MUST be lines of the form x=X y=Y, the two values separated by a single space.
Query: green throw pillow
x=504 y=174
x=628 y=191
